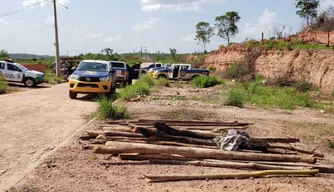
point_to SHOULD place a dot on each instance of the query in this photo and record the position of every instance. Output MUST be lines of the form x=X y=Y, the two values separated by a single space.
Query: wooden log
x=86 y=137
x=158 y=135
x=118 y=147
x=150 y=141
x=322 y=168
x=123 y=134
x=277 y=140
x=167 y=121
x=121 y=129
x=254 y=174
x=189 y=124
x=141 y=157
x=225 y=164
x=300 y=150
x=208 y=133
x=94 y=134
x=171 y=131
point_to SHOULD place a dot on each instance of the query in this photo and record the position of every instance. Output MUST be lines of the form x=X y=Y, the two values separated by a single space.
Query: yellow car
x=93 y=76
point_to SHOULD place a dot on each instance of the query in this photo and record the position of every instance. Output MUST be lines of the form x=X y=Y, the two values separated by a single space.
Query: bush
x=244 y=67
x=235 y=98
x=147 y=79
x=212 y=69
x=304 y=86
x=3 y=87
x=106 y=109
x=162 y=82
x=275 y=96
x=204 y=81
x=132 y=91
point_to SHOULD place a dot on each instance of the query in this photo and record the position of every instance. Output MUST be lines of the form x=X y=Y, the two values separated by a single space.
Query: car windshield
x=93 y=66
x=118 y=65
x=24 y=69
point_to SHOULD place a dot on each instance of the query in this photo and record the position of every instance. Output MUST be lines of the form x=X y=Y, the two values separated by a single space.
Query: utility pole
x=141 y=53
x=56 y=38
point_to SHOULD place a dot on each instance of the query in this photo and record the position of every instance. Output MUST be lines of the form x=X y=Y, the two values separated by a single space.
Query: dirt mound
x=317 y=67
x=321 y=37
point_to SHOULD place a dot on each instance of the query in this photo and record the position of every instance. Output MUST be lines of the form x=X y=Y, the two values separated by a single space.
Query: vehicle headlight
x=104 y=78
x=75 y=77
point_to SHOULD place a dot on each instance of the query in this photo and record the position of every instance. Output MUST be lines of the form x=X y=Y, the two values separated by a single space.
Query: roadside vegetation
x=285 y=45
x=107 y=110
x=52 y=78
x=3 y=87
x=205 y=82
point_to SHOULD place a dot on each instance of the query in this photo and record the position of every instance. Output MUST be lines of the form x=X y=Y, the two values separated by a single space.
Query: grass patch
x=143 y=86
x=106 y=109
x=3 y=87
x=52 y=78
x=304 y=86
x=24 y=189
x=162 y=82
x=204 y=81
x=235 y=98
x=271 y=96
x=132 y=91
x=286 y=45
x=179 y=84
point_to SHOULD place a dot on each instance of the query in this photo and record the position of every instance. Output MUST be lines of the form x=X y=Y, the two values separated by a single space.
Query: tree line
x=226 y=25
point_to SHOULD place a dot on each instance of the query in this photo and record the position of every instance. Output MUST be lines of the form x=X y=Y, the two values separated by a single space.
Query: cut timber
x=277 y=140
x=201 y=132
x=94 y=134
x=158 y=135
x=225 y=164
x=121 y=129
x=123 y=134
x=118 y=147
x=167 y=121
x=141 y=157
x=189 y=124
x=255 y=174
x=150 y=141
x=317 y=154
x=171 y=131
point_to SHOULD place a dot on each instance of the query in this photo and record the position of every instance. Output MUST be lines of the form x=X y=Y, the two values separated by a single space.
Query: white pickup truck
x=180 y=72
x=14 y=72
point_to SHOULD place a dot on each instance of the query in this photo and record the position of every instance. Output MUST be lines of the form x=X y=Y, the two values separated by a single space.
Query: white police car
x=14 y=72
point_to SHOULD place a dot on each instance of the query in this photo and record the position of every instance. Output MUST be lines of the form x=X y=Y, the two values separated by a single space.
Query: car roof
x=96 y=61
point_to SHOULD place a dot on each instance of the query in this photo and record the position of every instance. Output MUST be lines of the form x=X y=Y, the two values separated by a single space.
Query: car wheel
x=73 y=95
x=124 y=83
x=29 y=82
x=162 y=76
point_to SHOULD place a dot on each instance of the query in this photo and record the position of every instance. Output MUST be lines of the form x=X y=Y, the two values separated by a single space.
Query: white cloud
x=267 y=22
x=94 y=35
x=175 y=5
x=27 y=3
x=189 y=38
x=324 y=4
x=112 y=39
x=2 y=21
x=148 y=24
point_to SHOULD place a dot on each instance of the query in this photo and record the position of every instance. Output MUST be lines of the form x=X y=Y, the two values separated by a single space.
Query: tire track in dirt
x=34 y=122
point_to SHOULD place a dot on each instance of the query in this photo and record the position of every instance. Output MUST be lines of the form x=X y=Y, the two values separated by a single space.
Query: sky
x=127 y=25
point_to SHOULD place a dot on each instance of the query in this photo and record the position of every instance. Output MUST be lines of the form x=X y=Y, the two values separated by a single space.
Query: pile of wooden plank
x=191 y=143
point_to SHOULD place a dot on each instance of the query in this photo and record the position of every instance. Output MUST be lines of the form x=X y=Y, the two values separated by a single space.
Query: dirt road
x=34 y=122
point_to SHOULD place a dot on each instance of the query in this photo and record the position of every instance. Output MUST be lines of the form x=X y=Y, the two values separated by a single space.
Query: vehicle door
x=176 y=71
x=2 y=71
x=184 y=72
x=170 y=72
x=13 y=73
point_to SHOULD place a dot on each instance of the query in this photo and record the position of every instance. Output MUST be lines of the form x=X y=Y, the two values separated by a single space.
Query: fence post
x=328 y=44
x=262 y=38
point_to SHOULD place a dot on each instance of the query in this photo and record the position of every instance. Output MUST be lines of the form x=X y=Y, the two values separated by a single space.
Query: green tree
x=3 y=53
x=226 y=25
x=108 y=51
x=203 y=33
x=307 y=9
x=173 y=52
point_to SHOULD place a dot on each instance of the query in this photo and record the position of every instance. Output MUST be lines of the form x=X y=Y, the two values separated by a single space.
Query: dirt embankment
x=317 y=67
